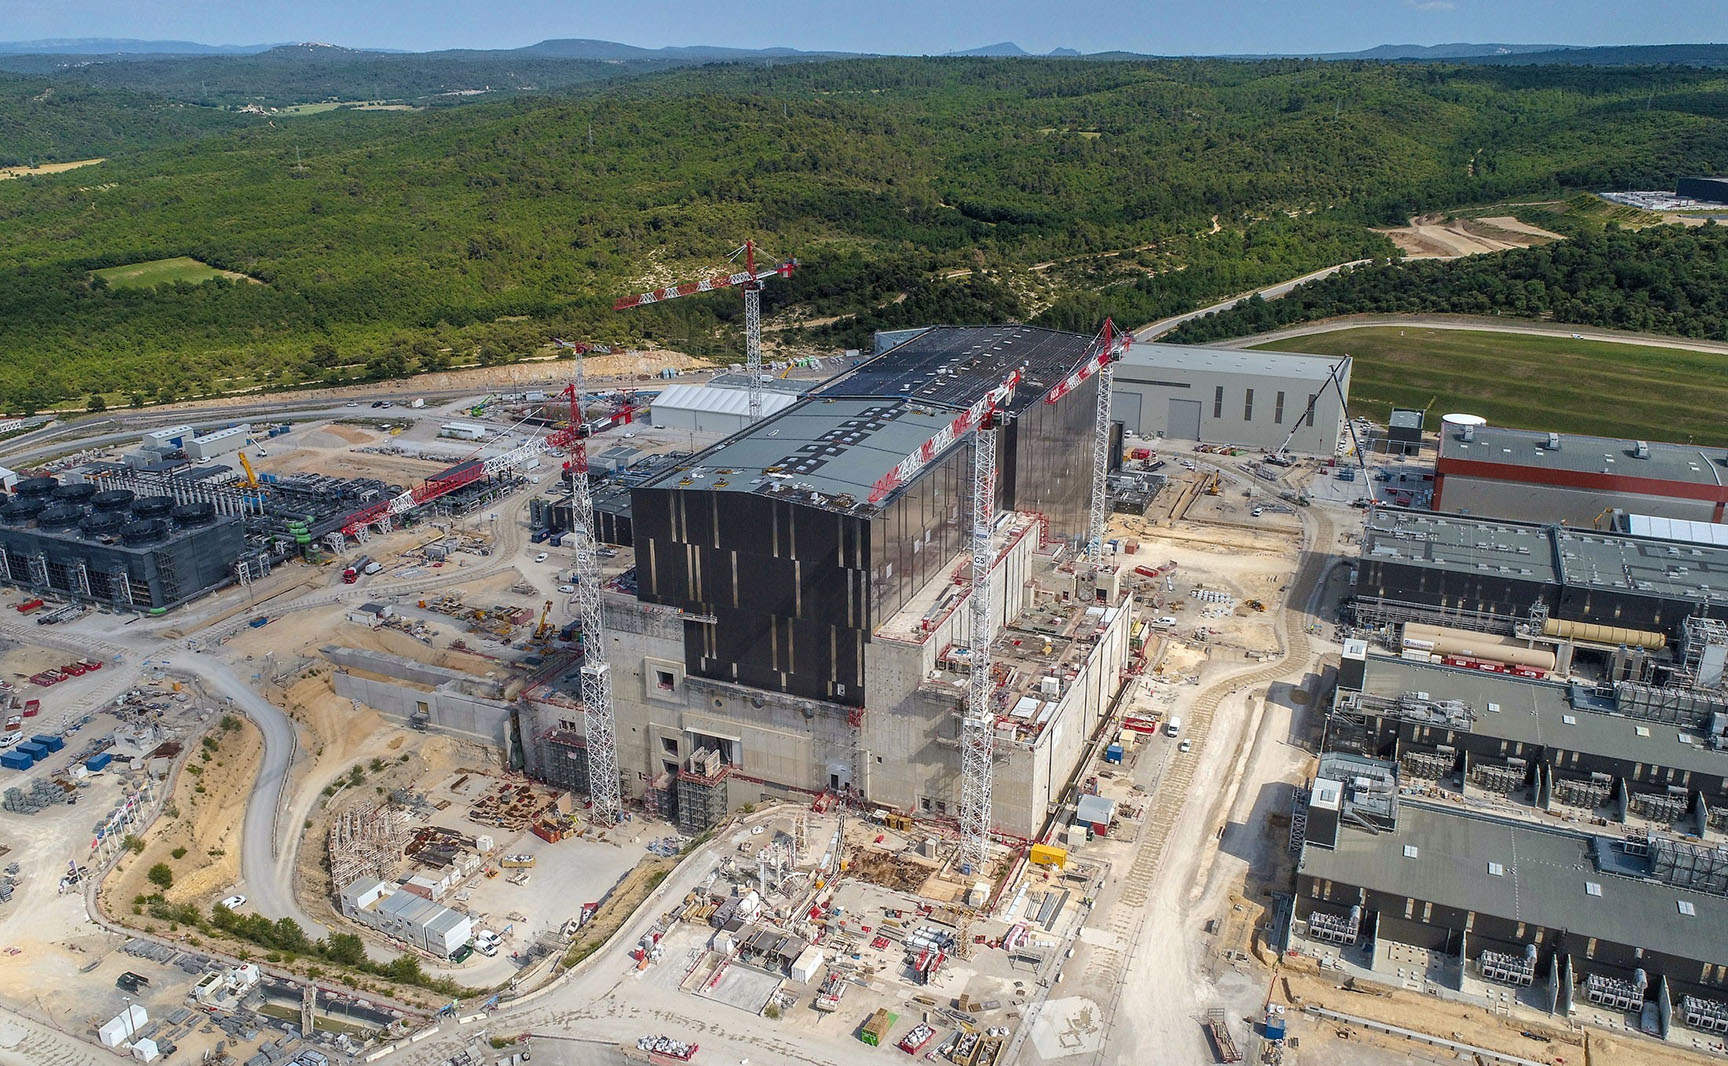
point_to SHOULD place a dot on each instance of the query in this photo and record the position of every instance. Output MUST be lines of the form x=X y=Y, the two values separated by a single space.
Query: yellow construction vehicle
x=1212 y=483
x=251 y=477
x=545 y=623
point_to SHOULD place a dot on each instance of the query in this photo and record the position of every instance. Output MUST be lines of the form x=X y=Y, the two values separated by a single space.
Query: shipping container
x=98 y=762
x=36 y=751
x=15 y=760
x=49 y=741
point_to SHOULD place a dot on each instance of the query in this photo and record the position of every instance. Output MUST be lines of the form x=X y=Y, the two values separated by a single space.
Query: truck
x=352 y=572
x=260 y=622
x=417 y=402
x=30 y=605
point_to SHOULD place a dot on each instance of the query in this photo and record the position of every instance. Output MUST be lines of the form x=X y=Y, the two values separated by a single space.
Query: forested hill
x=1666 y=279
x=1052 y=189
x=49 y=123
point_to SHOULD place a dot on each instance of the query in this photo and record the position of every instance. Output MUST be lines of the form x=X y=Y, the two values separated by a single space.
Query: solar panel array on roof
x=954 y=366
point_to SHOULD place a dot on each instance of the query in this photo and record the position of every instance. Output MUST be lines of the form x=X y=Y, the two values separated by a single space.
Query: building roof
x=1180 y=357
x=1441 y=856
x=1537 y=712
x=1678 y=529
x=1634 y=564
x=728 y=401
x=954 y=366
x=1527 y=450
x=832 y=448
x=831 y=451
x=770 y=383
x=1550 y=554
x=1457 y=542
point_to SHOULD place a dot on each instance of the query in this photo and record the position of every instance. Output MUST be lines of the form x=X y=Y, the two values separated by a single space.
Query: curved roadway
x=1478 y=325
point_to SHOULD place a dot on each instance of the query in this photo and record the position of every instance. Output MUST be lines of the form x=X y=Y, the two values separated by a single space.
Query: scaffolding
x=1588 y=795
x=702 y=801
x=366 y=841
x=1427 y=765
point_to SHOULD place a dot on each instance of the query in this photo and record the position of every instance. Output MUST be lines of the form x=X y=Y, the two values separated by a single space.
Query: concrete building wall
x=468 y=717
x=1528 y=501
x=1156 y=397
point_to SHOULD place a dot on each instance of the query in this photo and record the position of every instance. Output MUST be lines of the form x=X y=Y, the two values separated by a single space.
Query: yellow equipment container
x=1048 y=855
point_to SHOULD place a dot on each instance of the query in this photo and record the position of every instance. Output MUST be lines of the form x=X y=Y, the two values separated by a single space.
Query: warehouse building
x=1577 y=481
x=1231 y=396
x=144 y=553
x=404 y=915
x=1710 y=190
x=711 y=408
x=800 y=619
x=218 y=442
x=1558 y=917
x=1490 y=575
x=1625 y=751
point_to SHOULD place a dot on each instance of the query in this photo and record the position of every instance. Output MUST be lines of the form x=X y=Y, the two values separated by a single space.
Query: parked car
x=566 y=588
x=1186 y=745
x=234 y=903
x=540 y=558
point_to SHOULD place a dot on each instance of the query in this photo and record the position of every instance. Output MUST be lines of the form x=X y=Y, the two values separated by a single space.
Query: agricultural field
x=1547 y=382
x=164 y=272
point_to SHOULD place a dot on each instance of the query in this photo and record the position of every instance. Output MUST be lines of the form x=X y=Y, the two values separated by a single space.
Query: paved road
x=1479 y=325
x=1157 y=329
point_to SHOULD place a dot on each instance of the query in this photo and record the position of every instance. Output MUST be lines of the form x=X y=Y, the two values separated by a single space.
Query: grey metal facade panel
x=163 y=573
x=1543 y=884
x=954 y=366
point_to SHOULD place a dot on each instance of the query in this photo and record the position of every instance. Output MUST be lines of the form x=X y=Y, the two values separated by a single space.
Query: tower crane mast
x=750 y=280
x=596 y=684
x=978 y=726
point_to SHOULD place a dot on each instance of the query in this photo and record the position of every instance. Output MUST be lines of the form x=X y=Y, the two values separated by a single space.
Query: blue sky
x=898 y=26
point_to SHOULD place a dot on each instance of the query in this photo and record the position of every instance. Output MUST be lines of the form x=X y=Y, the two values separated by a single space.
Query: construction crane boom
x=750 y=280
x=908 y=468
x=251 y=476
x=605 y=805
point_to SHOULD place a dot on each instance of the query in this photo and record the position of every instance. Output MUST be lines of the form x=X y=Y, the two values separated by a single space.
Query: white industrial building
x=462 y=430
x=124 y=1027
x=1232 y=396
x=221 y=442
x=407 y=916
x=167 y=440
x=712 y=409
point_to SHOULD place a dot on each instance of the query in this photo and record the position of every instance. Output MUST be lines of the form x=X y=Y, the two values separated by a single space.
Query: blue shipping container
x=1113 y=753
x=35 y=751
x=49 y=741
x=98 y=762
x=15 y=760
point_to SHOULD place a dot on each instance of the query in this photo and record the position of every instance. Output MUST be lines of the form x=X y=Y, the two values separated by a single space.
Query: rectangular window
x=1218 y=403
x=1278 y=409
x=1248 y=406
x=669 y=744
x=1313 y=398
x=665 y=680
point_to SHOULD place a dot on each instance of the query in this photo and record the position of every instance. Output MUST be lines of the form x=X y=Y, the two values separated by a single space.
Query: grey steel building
x=1574 y=480
x=1228 y=395
x=1574 y=917
x=147 y=553
x=1486 y=574
x=1712 y=190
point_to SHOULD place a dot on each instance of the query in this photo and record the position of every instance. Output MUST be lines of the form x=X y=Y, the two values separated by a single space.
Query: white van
x=1173 y=727
x=1165 y=621
x=486 y=942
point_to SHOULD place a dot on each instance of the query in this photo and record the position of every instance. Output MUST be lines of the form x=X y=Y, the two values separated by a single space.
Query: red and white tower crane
x=750 y=280
x=596 y=685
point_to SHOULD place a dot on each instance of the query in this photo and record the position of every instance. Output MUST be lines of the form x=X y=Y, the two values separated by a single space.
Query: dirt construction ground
x=1436 y=237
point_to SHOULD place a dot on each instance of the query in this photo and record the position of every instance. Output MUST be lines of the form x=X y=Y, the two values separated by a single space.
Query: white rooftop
x=1229 y=361
x=720 y=400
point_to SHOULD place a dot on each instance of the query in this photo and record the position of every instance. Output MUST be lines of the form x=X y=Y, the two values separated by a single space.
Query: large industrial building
x=1232 y=396
x=800 y=619
x=1490 y=575
x=112 y=547
x=1710 y=190
x=1574 y=480
x=718 y=407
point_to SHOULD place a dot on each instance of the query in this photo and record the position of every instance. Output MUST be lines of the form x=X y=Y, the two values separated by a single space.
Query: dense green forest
x=1666 y=279
x=294 y=74
x=45 y=123
x=979 y=188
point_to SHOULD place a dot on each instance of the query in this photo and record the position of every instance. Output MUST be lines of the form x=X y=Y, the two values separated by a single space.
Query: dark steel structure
x=770 y=533
x=147 y=552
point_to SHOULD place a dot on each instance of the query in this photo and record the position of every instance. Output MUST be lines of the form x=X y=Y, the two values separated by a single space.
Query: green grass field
x=162 y=271
x=1533 y=382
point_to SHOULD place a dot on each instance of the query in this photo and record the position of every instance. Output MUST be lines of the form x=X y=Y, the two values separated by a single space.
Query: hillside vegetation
x=1665 y=279
x=914 y=190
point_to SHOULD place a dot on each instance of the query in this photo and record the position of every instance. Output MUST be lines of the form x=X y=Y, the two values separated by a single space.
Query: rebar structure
x=596 y=684
x=977 y=729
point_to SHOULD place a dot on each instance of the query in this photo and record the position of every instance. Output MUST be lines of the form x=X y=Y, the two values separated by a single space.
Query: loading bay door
x=1184 y=420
